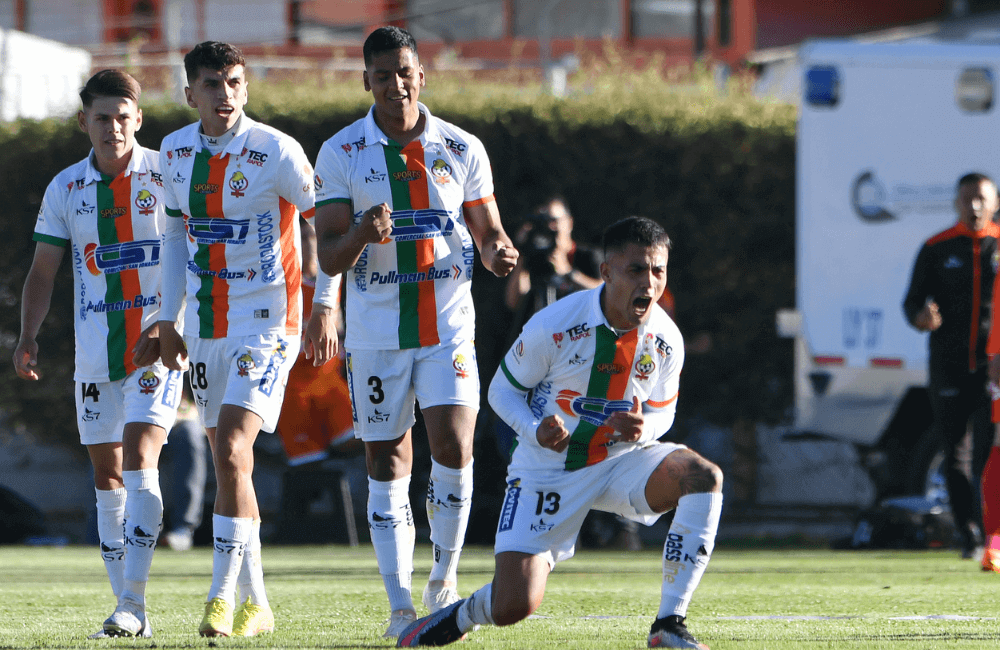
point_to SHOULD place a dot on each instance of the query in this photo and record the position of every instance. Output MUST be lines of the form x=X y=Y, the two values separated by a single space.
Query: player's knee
x=703 y=476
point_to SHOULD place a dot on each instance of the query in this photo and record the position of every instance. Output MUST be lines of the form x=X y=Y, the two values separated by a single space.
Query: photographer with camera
x=551 y=265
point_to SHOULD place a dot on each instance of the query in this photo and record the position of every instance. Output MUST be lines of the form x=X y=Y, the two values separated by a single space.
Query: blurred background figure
x=188 y=456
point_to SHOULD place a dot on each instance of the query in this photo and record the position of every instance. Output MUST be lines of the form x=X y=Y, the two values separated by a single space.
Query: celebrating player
x=109 y=209
x=240 y=187
x=602 y=370
x=401 y=196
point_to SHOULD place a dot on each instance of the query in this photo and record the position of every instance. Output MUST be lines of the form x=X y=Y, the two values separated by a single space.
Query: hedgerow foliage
x=715 y=168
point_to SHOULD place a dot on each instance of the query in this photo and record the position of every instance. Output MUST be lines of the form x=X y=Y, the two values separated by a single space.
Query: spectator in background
x=187 y=452
x=950 y=296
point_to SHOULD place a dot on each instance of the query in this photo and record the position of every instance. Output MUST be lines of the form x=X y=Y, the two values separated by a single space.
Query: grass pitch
x=332 y=597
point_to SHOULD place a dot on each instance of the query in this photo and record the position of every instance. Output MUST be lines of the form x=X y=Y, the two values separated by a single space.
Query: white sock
x=251 y=578
x=477 y=609
x=449 y=501
x=143 y=520
x=111 y=530
x=687 y=550
x=390 y=521
x=232 y=535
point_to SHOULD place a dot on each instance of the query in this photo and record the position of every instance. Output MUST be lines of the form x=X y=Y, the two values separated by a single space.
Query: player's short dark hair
x=387 y=39
x=974 y=178
x=211 y=55
x=634 y=230
x=110 y=83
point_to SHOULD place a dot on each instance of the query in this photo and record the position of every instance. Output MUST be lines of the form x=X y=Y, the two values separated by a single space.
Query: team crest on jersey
x=145 y=201
x=461 y=365
x=244 y=364
x=441 y=172
x=644 y=366
x=148 y=382
x=238 y=183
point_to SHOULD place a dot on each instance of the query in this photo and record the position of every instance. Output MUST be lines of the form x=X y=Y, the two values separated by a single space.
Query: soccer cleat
x=128 y=619
x=438 y=599
x=218 y=619
x=251 y=620
x=147 y=633
x=670 y=632
x=398 y=622
x=440 y=628
x=991 y=560
x=179 y=540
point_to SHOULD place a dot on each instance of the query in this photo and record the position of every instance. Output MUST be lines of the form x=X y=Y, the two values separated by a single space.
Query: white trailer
x=39 y=78
x=885 y=130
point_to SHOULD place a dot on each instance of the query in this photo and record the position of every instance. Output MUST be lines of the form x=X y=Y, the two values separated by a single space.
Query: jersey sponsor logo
x=115 y=258
x=644 y=367
x=100 y=307
x=540 y=396
x=180 y=180
x=541 y=526
x=222 y=274
x=441 y=171
x=375 y=176
x=265 y=247
x=257 y=158
x=218 y=231
x=148 y=381
x=318 y=182
x=378 y=417
x=205 y=188
x=611 y=368
x=182 y=152
x=509 y=508
x=145 y=201
x=78 y=265
x=662 y=347
x=238 y=183
x=557 y=338
x=456 y=147
x=412 y=225
x=90 y=416
x=244 y=364
x=360 y=270
x=408 y=176
x=594 y=410
x=461 y=365
x=577 y=332
x=113 y=213
x=80 y=183
x=85 y=208
x=519 y=348
x=393 y=277
x=577 y=360
x=156 y=177
x=270 y=376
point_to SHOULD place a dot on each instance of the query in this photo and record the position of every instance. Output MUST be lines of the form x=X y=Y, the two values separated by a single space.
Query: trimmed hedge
x=717 y=171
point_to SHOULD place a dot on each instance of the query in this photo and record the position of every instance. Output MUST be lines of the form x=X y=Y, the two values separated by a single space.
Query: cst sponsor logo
x=375 y=176
x=145 y=201
x=540 y=397
x=405 y=278
x=411 y=225
x=222 y=274
x=509 y=509
x=218 y=231
x=238 y=183
x=578 y=332
x=594 y=410
x=148 y=381
x=265 y=246
x=456 y=147
x=270 y=376
x=115 y=258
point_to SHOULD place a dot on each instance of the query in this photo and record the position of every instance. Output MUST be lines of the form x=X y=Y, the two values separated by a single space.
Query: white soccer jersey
x=412 y=290
x=240 y=209
x=114 y=228
x=576 y=367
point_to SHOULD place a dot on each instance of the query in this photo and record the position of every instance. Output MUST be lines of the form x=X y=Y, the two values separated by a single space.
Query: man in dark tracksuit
x=951 y=296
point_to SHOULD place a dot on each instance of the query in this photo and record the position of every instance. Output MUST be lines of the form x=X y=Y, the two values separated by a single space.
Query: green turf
x=331 y=597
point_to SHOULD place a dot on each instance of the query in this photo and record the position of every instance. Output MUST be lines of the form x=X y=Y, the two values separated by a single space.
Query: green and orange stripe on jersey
x=209 y=175
x=114 y=226
x=609 y=379
x=408 y=179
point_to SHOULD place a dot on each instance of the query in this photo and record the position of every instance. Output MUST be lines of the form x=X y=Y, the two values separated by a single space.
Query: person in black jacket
x=950 y=296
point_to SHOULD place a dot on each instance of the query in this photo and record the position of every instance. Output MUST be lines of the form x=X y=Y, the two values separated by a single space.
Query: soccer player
x=108 y=208
x=401 y=197
x=235 y=189
x=601 y=369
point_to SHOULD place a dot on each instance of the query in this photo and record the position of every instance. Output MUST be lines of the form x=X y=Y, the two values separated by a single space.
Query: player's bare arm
x=495 y=247
x=147 y=348
x=320 y=341
x=35 y=301
x=627 y=425
x=339 y=245
x=173 y=352
x=551 y=433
